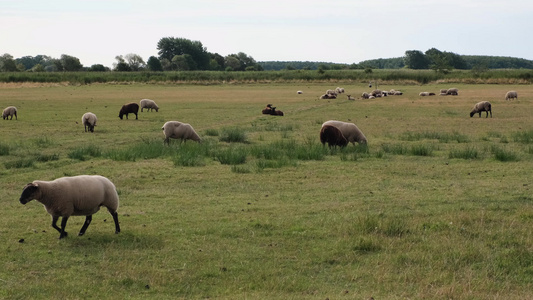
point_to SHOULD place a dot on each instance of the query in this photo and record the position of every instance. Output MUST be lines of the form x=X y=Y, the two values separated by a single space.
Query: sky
x=338 y=31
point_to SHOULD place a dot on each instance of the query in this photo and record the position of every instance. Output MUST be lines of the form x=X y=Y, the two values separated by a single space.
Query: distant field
x=438 y=206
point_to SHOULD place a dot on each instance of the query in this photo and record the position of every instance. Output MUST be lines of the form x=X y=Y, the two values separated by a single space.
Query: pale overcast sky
x=341 y=31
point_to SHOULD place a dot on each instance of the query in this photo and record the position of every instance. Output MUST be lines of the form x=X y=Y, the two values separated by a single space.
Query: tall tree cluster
x=440 y=61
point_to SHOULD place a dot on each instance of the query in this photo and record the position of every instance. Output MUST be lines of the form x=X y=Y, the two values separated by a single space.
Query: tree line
x=180 y=54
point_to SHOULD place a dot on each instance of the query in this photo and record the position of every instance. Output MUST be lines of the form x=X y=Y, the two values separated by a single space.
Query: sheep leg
x=88 y=220
x=115 y=218
x=136 y=116
x=62 y=232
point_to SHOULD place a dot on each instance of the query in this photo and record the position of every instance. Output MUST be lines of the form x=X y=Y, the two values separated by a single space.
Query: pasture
x=438 y=206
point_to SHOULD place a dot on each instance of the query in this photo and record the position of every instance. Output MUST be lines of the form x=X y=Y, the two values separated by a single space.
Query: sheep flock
x=83 y=195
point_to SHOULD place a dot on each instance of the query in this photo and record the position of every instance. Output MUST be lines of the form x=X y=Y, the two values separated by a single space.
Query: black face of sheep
x=28 y=193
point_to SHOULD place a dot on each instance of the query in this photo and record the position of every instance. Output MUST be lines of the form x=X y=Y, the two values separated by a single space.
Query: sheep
x=179 y=130
x=423 y=94
x=129 y=108
x=431 y=94
x=10 y=111
x=510 y=95
x=376 y=93
x=149 y=105
x=81 y=195
x=480 y=107
x=398 y=93
x=453 y=92
x=333 y=136
x=365 y=95
x=328 y=96
x=89 y=120
x=444 y=91
x=299 y=92
x=349 y=130
x=339 y=90
x=350 y=97
x=331 y=92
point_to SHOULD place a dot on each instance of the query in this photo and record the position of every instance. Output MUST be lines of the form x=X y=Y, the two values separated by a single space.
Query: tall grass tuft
x=231 y=156
x=524 y=137
x=233 y=135
x=85 y=152
x=20 y=163
x=396 y=149
x=4 y=149
x=421 y=150
x=503 y=154
x=466 y=153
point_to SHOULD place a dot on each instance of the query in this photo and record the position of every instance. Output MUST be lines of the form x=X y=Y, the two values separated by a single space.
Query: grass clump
x=4 y=149
x=442 y=137
x=231 y=155
x=525 y=137
x=503 y=154
x=20 y=163
x=85 y=152
x=466 y=153
x=421 y=150
x=233 y=135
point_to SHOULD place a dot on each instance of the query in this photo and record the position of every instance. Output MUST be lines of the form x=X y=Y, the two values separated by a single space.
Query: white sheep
x=149 y=105
x=480 y=107
x=423 y=94
x=510 y=95
x=349 y=130
x=376 y=93
x=81 y=195
x=328 y=96
x=453 y=92
x=365 y=95
x=299 y=92
x=179 y=130
x=10 y=111
x=331 y=92
x=339 y=90
x=89 y=120
x=350 y=97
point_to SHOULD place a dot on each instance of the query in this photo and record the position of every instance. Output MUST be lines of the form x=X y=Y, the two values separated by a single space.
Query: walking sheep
x=10 y=111
x=130 y=108
x=333 y=136
x=510 y=95
x=89 y=120
x=149 y=105
x=480 y=107
x=81 y=195
x=179 y=130
x=349 y=130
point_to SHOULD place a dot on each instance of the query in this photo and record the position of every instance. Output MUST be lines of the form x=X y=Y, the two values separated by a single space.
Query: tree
x=121 y=65
x=135 y=62
x=232 y=63
x=70 y=63
x=169 y=47
x=154 y=64
x=98 y=68
x=415 y=59
x=7 y=63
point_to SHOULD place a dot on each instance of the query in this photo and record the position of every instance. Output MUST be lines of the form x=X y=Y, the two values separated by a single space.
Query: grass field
x=438 y=206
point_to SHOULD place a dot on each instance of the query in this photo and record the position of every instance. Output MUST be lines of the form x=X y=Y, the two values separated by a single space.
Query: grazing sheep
x=89 y=120
x=10 y=111
x=350 y=97
x=339 y=90
x=333 y=136
x=453 y=92
x=510 y=95
x=349 y=130
x=130 y=108
x=423 y=94
x=179 y=130
x=149 y=105
x=365 y=95
x=480 y=107
x=299 y=92
x=74 y=196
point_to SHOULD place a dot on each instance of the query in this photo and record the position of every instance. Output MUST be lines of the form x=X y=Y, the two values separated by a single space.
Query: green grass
x=436 y=206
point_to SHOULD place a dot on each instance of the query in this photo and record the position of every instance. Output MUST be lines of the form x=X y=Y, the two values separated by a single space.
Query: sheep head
x=31 y=191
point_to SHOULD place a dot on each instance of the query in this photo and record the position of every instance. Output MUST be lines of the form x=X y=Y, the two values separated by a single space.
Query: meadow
x=437 y=206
